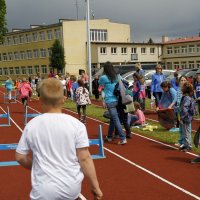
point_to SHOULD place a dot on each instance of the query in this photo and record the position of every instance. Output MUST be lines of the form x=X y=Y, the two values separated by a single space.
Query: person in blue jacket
x=169 y=96
x=9 y=86
x=157 y=79
x=108 y=80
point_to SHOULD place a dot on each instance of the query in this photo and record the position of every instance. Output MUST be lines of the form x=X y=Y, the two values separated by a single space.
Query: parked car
x=148 y=75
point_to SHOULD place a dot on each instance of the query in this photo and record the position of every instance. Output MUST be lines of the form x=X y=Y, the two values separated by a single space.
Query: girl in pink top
x=142 y=93
x=24 y=91
x=138 y=117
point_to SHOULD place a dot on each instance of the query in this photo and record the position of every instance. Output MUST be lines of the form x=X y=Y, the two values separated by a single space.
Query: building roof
x=183 y=40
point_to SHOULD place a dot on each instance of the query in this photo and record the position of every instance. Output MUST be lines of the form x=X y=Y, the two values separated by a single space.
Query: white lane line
x=155 y=175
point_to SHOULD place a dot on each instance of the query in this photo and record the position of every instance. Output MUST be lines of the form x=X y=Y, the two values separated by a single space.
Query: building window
x=98 y=35
x=16 y=55
x=36 y=53
x=29 y=54
x=36 y=69
x=21 y=39
x=11 y=70
x=176 y=65
x=4 y=57
x=5 y=70
x=103 y=50
x=184 y=49
x=49 y=35
x=169 y=50
x=191 y=64
x=23 y=70
x=43 y=53
x=143 y=50
x=124 y=50
x=28 y=38
x=35 y=37
x=198 y=64
x=176 y=50
x=42 y=36
x=57 y=33
x=15 y=40
x=169 y=65
x=113 y=50
x=22 y=55
x=1 y=71
x=183 y=65
x=198 y=48
x=44 y=69
x=9 y=40
x=17 y=71
x=30 y=70
x=49 y=52
x=152 y=50
x=191 y=49
x=133 y=50
x=10 y=56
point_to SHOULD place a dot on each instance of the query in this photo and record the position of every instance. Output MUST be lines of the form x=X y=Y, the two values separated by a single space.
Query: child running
x=136 y=118
x=9 y=86
x=54 y=146
x=82 y=99
x=24 y=91
x=186 y=115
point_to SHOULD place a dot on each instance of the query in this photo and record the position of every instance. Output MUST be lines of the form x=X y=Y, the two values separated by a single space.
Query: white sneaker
x=121 y=142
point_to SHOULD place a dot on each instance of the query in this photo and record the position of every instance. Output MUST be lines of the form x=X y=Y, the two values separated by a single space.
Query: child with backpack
x=82 y=99
x=187 y=110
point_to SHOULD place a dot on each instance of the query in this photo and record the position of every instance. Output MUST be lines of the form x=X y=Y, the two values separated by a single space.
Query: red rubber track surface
x=119 y=179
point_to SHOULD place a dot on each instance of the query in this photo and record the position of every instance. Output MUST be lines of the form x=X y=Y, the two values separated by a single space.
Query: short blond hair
x=51 y=92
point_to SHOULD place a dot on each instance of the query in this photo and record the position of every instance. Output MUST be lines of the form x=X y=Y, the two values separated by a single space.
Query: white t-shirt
x=53 y=139
x=63 y=84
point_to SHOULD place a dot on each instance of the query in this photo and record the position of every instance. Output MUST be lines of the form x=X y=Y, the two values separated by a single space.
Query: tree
x=150 y=41
x=3 y=28
x=57 y=58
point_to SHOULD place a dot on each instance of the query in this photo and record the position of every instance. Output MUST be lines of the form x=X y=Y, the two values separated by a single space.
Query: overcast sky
x=148 y=18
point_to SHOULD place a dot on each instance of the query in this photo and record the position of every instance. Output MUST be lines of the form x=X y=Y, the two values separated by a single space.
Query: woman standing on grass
x=9 y=86
x=108 y=81
x=157 y=79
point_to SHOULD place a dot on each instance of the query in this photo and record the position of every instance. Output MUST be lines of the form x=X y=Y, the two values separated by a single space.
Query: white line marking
x=155 y=175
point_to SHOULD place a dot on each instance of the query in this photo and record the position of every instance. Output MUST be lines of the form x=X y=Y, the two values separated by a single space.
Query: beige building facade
x=181 y=53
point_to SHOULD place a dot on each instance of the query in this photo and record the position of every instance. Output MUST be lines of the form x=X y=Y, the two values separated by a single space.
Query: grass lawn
x=160 y=134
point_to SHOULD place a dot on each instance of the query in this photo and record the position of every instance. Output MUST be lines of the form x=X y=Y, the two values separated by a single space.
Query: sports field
x=142 y=169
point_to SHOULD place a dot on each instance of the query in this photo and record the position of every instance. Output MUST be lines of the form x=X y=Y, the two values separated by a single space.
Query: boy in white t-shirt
x=58 y=144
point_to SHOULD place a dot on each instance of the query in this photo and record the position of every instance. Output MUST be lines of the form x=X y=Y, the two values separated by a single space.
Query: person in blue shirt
x=9 y=86
x=157 y=79
x=174 y=81
x=108 y=80
x=169 y=96
x=139 y=69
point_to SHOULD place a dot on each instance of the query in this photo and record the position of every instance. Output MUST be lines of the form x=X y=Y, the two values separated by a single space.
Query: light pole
x=88 y=46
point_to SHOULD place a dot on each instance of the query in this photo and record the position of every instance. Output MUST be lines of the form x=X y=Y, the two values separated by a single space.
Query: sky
x=147 y=18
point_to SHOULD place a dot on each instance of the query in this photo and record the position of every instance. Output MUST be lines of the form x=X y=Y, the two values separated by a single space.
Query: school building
x=27 y=51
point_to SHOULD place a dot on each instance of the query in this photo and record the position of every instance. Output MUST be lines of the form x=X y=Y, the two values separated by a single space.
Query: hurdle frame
x=98 y=142
x=6 y=115
x=4 y=147
x=5 y=96
x=29 y=115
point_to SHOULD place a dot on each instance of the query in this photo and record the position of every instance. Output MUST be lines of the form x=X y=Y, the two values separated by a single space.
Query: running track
x=142 y=169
